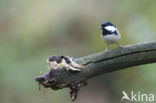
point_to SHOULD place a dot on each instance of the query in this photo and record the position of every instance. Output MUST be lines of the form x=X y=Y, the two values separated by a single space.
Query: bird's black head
x=107 y=23
x=108 y=28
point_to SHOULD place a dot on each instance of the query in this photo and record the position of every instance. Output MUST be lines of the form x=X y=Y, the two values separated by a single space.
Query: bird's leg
x=69 y=67
x=106 y=49
x=119 y=46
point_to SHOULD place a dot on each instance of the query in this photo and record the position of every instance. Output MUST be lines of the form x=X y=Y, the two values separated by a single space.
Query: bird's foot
x=120 y=47
x=106 y=50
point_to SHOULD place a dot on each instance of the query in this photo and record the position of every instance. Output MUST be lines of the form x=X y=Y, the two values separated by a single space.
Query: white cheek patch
x=111 y=28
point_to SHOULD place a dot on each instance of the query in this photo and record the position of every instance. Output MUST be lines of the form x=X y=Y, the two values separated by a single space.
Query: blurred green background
x=33 y=30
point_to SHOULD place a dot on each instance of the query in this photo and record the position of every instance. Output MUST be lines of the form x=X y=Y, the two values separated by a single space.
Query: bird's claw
x=106 y=50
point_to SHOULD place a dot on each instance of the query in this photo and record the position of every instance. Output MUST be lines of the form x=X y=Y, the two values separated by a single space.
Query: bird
x=110 y=34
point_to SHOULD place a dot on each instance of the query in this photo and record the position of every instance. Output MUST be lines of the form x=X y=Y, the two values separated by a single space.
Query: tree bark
x=104 y=62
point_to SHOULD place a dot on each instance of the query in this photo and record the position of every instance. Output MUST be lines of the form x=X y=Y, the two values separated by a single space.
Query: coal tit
x=110 y=34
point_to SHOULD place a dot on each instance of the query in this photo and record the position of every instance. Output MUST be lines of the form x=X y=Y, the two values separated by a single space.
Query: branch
x=103 y=62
